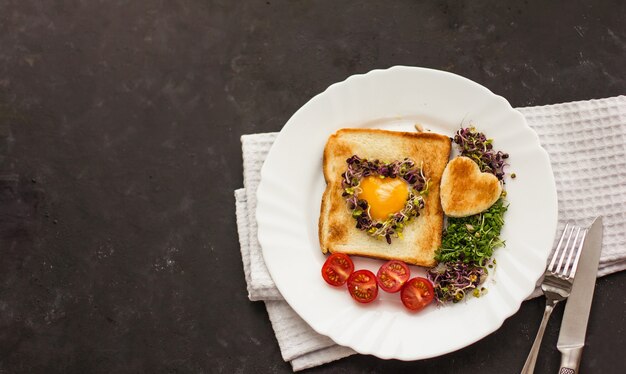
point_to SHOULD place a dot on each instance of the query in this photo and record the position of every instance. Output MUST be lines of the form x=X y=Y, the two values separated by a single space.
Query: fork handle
x=529 y=365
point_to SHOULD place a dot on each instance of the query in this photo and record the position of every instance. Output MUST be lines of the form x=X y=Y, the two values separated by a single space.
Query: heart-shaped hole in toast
x=465 y=190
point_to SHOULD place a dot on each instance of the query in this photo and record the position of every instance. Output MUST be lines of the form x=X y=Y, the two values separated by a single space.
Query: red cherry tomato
x=363 y=286
x=392 y=275
x=417 y=293
x=337 y=269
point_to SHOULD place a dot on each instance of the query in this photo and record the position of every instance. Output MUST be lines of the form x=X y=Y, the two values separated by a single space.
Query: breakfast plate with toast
x=392 y=130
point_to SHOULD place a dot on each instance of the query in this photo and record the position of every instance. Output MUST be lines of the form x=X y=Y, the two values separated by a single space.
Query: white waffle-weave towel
x=586 y=141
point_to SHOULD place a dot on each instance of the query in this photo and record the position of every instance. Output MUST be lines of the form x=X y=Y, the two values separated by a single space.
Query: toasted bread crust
x=465 y=190
x=422 y=236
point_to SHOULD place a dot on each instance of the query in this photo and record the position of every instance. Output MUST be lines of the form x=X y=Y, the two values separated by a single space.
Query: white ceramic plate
x=292 y=184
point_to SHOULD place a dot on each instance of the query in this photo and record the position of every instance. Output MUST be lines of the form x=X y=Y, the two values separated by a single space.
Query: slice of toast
x=466 y=191
x=337 y=227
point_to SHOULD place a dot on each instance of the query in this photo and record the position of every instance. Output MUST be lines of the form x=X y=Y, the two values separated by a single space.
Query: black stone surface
x=119 y=153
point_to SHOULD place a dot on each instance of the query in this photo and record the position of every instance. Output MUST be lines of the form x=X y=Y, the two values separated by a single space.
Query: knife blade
x=574 y=324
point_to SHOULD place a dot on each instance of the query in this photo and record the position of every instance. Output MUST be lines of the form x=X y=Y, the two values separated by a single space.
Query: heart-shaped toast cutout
x=465 y=190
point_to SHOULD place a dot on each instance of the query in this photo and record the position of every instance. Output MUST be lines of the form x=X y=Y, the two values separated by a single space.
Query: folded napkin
x=586 y=141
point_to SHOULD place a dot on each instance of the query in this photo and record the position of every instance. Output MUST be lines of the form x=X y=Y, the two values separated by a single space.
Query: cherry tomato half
x=362 y=286
x=337 y=269
x=392 y=275
x=417 y=293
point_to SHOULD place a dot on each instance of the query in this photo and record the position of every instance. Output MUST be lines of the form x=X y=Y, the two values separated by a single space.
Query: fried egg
x=384 y=196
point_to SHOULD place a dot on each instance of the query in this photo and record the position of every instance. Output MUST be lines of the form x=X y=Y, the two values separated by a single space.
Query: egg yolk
x=384 y=195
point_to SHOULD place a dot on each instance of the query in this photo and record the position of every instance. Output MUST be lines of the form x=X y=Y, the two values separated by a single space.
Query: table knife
x=574 y=325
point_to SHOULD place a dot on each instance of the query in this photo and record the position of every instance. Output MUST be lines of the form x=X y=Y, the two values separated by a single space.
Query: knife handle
x=570 y=359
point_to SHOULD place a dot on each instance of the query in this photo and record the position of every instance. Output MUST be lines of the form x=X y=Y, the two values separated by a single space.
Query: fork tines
x=564 y=253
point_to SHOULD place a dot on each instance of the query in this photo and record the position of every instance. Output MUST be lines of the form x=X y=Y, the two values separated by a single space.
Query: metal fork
x=557 y=282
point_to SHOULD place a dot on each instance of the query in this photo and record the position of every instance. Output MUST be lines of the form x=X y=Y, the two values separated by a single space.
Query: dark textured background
x=119 y=153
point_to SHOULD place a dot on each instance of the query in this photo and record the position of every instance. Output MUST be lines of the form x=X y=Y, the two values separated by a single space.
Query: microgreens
x=469 y=242
x=393 y=226
x=475 y=145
